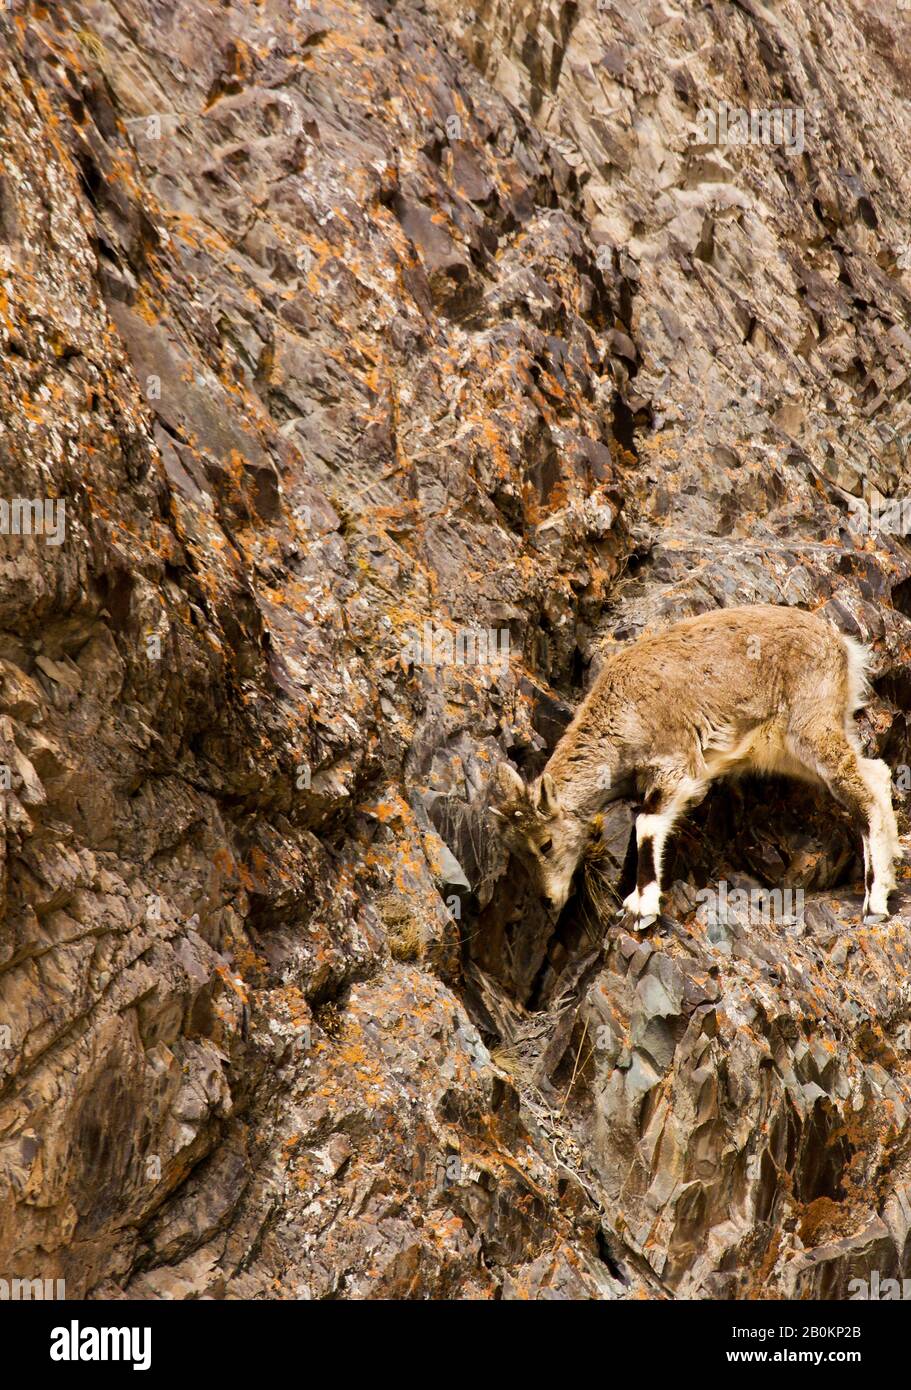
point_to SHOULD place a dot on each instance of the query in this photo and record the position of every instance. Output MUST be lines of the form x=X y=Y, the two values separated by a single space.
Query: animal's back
x=726 y=675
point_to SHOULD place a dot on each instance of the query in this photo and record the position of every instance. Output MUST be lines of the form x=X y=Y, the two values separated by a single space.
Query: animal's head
x=535 y=827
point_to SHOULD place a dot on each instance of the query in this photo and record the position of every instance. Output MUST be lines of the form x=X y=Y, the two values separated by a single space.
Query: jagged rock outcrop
x=340 y=332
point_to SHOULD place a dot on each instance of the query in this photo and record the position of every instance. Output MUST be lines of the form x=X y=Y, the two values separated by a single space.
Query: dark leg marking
x=628 y=872
x=646 y=872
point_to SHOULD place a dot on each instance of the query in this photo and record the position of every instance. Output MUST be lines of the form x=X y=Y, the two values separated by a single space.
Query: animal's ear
x=509 y=783
x=548 y=799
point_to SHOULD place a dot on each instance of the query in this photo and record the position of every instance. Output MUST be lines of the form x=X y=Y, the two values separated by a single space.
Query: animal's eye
x=546 y=847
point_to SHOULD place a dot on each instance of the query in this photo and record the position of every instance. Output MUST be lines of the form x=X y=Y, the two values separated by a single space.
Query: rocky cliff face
x=377 y=366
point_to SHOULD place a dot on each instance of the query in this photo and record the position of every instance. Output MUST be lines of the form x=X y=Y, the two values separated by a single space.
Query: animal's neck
x=586 y=776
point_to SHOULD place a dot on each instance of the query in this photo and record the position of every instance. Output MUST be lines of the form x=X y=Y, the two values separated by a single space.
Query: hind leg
x=878 y=778
x=830 y=755
x=885 y=847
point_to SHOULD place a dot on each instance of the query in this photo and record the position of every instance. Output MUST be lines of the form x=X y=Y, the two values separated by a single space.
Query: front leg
x=663 y=805
x=644 y=901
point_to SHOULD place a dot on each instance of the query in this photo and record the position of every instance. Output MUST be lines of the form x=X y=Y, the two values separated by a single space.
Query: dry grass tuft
x=405 y=934
x=92 y=44
x=599 y=871
x=519 y=1068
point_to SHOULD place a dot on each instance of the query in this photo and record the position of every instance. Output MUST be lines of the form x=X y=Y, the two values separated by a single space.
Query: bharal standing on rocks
x=759 y=689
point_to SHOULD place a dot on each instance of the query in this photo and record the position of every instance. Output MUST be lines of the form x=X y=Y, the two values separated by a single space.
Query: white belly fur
x=762 y=750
